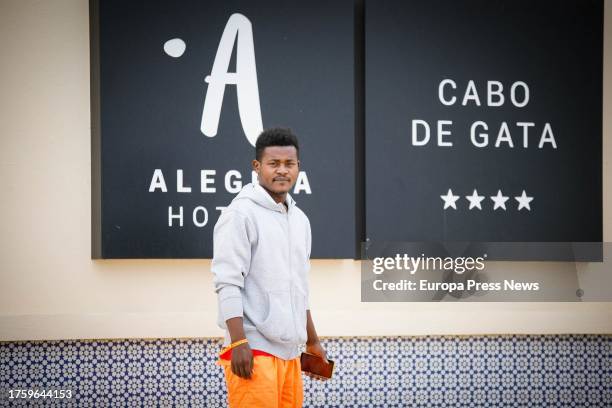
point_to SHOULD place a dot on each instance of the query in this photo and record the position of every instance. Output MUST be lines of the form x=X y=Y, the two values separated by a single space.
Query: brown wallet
x=316 y=365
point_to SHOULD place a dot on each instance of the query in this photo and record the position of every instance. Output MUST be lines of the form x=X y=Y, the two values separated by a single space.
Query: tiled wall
x=431 y=371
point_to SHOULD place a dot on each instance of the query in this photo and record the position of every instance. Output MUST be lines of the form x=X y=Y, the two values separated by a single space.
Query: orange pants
x=274 y=383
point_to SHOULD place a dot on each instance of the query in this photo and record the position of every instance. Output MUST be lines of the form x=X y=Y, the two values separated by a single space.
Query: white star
x=475 y=200
x=499 y=200
x=524 y=201
x=449 y=199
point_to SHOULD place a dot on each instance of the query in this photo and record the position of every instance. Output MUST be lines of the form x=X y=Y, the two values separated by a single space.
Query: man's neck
x=277 y=197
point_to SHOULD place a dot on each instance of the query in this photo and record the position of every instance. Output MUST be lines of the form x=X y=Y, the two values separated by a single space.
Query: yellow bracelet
x=239 y=342
x=234 y=344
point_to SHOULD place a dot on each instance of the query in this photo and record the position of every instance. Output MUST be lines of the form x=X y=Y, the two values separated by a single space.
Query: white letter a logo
x=238 y=29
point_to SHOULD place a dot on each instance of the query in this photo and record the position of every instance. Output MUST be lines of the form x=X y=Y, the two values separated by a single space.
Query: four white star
x=450 y=200
x=499 y=200
x=523 y=201
x=475 y=200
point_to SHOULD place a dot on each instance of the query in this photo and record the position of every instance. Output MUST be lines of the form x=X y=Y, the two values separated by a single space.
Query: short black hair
x=276 y=136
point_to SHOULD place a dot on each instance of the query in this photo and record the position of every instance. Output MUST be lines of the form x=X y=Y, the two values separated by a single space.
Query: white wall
x=51 y=289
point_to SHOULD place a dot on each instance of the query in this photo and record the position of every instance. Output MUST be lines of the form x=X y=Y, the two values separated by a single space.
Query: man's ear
x=256 y=164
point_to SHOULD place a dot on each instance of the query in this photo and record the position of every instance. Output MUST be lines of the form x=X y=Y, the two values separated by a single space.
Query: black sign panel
x=484 y=120
x=181 y=89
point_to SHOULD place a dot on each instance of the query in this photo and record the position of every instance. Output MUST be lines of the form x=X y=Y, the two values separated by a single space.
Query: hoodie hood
x=256 y=193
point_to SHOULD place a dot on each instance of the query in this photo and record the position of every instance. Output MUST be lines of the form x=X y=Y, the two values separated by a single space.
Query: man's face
x=278 y=168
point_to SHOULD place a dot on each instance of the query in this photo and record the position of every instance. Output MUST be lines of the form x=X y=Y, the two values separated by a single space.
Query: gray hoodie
x=260 y=263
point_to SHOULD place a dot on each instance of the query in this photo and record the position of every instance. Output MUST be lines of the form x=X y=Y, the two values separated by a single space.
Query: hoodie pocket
x=279 y=324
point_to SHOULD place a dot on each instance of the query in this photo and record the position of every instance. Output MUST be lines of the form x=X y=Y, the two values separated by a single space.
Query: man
x=261 y=252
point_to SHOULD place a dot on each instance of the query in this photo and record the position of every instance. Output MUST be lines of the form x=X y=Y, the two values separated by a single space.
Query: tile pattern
x=428 y=371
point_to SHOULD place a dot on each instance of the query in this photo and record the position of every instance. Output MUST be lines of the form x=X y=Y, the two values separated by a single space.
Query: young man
x=261 y=253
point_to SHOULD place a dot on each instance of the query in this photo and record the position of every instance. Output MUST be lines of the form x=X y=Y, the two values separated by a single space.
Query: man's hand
x=317 y=349
x=242 y=361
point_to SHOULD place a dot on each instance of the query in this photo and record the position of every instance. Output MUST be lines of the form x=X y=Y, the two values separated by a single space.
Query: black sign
x=484 y=120
x=180 y=91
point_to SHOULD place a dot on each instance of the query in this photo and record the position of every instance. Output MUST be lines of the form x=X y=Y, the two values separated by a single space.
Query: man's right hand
x=242 y=360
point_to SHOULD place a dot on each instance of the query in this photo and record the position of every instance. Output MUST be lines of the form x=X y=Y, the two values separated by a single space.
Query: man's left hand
x=318 y=350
